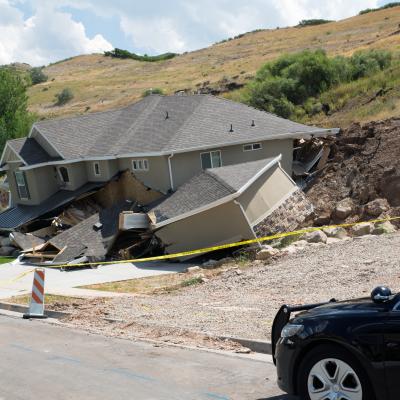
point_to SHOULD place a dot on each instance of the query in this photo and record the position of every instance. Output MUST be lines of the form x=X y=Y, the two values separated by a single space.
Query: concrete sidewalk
x=66 y=282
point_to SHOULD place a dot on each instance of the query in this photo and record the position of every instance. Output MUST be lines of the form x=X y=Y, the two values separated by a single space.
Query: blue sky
x=42 y=31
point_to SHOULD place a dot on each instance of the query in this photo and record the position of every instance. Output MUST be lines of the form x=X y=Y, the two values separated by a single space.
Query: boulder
x=343 y=209
x=383 y=227
x=266 y=253
x=322 y=219
x=315 y=237
x=210 y=264
x=335 y=232
x=194 y=269
x=376 y=207
x=365 y=228
x=6 y=250
x=5 y=241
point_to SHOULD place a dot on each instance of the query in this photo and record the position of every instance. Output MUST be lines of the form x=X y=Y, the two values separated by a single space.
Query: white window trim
x=252 y=146
x=25 y=185
x=209 y=152
x=144 y=162
x=94 y=169
x=61 y=177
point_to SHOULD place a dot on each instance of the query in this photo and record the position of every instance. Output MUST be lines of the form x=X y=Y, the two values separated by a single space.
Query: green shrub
x=312 y=22
x=37 y=75
x=124 y=54
x=284 y=85
x=389 y=5
x=148 y=92
x=64 y=97
x=365 y=63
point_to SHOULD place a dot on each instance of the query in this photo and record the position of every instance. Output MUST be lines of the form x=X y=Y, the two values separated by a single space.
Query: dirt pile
x=364 y=167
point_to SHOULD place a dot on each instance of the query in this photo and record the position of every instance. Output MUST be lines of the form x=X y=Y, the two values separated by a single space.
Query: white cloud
x=49 y=35
x=157 y=35
x=292 y=11
x=152 y=26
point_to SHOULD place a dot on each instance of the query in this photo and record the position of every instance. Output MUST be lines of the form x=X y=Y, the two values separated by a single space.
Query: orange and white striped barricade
x=36 y=306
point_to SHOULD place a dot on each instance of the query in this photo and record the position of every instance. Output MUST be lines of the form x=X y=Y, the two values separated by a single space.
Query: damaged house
x=205 y=169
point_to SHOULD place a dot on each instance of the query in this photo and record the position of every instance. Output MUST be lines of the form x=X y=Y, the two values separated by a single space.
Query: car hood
x=356 y=306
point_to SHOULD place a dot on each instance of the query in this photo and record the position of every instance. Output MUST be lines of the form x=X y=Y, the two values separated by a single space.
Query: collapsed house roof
x=91 y=238
x=21 y=214
x=159 y=125
x=209 y=188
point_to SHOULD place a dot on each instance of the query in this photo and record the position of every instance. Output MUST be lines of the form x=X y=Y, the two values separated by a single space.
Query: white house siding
x=77 y=175
x=157 y=176
x=107 y=169
x=41 y=182
x=266 y=193
x=222 y=224
x=186 y=165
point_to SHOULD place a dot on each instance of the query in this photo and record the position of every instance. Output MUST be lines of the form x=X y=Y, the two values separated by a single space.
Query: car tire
x=332 y=358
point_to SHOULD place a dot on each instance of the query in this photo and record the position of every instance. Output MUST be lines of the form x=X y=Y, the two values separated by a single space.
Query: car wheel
x=331 y=373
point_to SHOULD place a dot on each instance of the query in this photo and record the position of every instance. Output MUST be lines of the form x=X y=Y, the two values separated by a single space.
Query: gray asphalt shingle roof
x=30 y=151
x=20 y=214
x=194 y=121
x=207 y=187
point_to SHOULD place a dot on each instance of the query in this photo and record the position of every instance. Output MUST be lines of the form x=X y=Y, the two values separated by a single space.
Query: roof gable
x=210 y=187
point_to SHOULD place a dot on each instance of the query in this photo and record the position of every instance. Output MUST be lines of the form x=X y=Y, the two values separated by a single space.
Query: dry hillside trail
x=100 y=83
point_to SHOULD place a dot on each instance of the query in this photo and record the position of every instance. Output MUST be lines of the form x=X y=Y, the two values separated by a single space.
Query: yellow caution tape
x=21 y=275
x=222 y=246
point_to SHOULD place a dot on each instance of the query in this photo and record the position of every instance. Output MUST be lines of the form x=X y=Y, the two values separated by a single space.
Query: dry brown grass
x=100 y=83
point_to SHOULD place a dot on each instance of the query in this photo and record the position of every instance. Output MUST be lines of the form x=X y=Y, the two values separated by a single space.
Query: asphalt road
x=43 y=361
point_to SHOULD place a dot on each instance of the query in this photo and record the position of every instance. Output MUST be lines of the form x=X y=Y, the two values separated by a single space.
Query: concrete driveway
x=65 y=282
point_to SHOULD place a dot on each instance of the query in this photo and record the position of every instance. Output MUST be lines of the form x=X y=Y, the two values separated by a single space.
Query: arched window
x=64 y=174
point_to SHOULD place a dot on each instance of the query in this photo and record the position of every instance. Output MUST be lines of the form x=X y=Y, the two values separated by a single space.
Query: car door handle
x=392 y=345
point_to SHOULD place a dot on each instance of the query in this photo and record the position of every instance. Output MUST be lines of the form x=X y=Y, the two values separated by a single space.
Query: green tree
x=15 y=120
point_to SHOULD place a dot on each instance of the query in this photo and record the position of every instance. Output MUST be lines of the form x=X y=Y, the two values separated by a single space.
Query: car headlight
x=290 y=330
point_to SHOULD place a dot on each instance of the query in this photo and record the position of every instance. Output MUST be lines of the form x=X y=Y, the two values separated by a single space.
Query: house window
x=211 y=159
x=21 y=185
x=140 y=165
x=96 y=167
x=63 y=171
x=252 y=146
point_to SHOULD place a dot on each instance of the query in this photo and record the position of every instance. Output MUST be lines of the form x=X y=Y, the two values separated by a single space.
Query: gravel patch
x=243 y=303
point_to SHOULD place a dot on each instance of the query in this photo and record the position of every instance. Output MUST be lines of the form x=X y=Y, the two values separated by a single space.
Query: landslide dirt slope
x=100 y=82
x=365 y=165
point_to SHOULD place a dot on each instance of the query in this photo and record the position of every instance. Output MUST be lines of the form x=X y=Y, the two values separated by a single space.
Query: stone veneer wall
x=287 y=217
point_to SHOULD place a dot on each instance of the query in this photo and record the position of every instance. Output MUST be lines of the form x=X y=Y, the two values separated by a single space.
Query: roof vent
x=231 y=130
x=252 y=123
x=166 y=115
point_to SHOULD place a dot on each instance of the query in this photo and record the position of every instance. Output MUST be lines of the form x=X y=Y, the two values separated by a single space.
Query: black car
x=340 y=350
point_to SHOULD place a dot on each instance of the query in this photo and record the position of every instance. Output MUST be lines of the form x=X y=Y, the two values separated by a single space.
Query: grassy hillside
x=100 y=82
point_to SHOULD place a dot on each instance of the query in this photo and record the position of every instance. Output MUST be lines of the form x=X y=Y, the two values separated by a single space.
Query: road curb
x=258 y=346
x=24 y=309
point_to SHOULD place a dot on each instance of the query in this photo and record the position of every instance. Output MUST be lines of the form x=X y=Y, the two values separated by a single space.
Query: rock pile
x=361 y=180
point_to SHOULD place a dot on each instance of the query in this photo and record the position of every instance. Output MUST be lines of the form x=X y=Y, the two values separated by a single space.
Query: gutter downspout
x=248 y=221
x=171 y=179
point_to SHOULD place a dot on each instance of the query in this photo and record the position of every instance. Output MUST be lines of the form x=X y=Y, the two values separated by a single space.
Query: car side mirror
x=381 y=294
